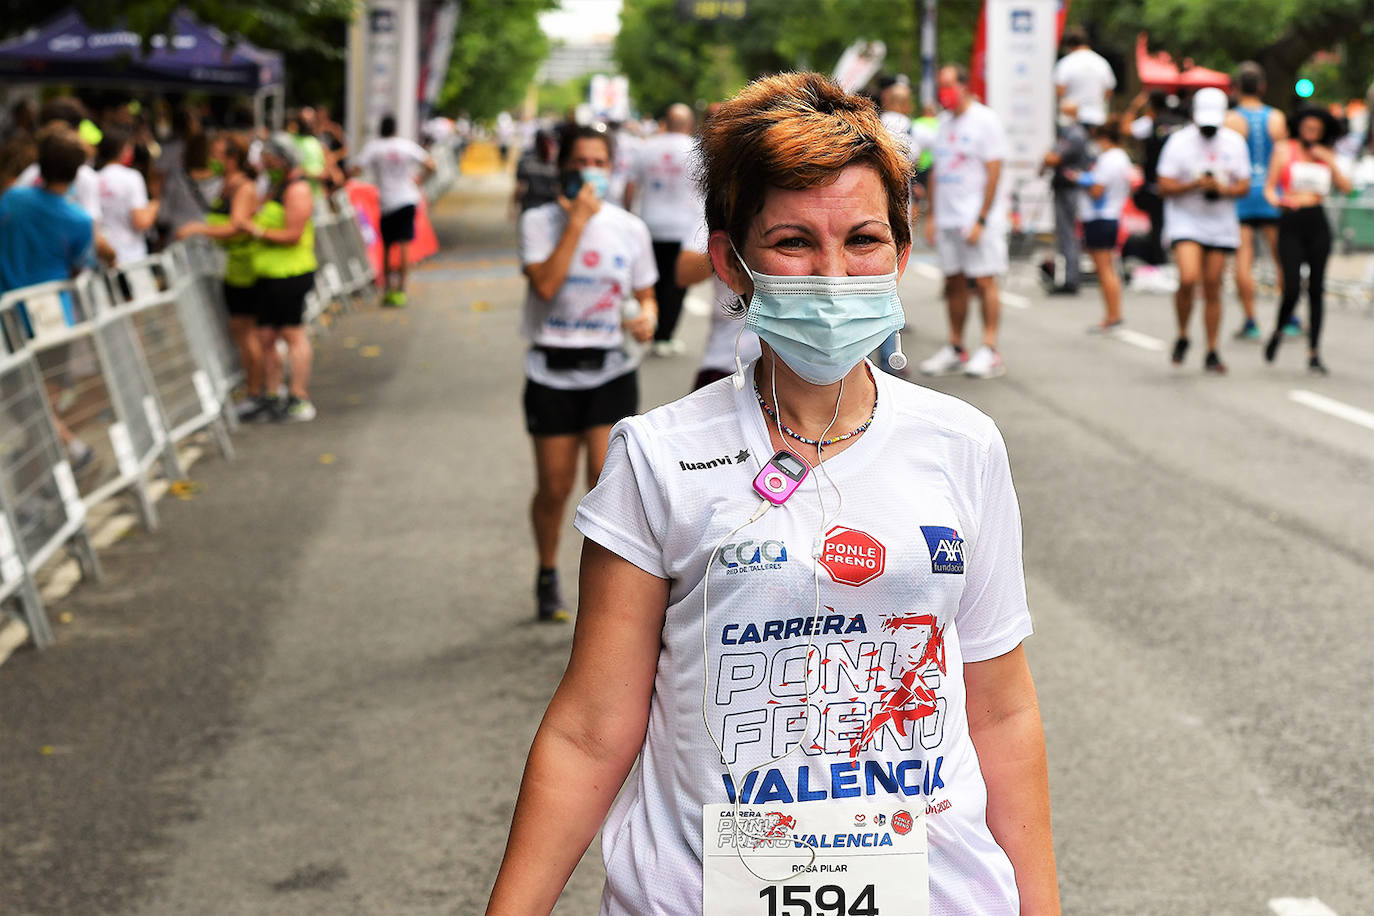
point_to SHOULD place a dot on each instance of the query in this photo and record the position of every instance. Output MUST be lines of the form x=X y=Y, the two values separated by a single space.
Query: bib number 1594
x=826 y=900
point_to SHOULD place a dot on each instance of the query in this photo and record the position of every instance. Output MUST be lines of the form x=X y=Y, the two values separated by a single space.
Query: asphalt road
x=313 y=690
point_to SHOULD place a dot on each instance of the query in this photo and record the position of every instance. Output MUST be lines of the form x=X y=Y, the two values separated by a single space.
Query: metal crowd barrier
x=194 y=278
x=37 y=485
x=127 y=363
x=148 y=293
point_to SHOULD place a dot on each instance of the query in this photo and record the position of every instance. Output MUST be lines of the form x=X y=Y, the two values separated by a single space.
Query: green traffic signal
x=1304 y=88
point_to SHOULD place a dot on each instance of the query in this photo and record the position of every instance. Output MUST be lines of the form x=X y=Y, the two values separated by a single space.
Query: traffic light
x=1303 y=88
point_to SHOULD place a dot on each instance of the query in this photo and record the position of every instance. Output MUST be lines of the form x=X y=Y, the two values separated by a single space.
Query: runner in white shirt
x=1203 y=168
x=1105 y=191
x=967 y=222
x=584 y=258
x=1084 y=79
x=824 y=683
x=665 y=189
x=399 y=165
x=729 y=337
x=126 y=211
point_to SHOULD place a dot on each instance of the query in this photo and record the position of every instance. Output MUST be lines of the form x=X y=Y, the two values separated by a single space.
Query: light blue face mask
x=822 y=327
x=599 y=179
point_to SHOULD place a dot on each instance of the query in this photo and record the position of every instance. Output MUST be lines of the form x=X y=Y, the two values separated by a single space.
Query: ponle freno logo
x=852 y=557
x=591 y=258
x=901 y=822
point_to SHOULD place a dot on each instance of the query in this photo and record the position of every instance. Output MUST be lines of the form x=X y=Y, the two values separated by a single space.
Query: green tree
x=668 y=60
x=1281 y=35
x=496 y=51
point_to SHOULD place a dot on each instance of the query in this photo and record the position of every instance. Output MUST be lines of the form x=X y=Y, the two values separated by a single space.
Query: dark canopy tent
x=194 y=57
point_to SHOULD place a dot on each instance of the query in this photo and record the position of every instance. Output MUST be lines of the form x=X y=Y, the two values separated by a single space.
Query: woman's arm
x=548 y=275
x=1277 y=163
x=1004 y=724
x=299 y=204
x=241 y=209
x=643 y=325
x=591 y=733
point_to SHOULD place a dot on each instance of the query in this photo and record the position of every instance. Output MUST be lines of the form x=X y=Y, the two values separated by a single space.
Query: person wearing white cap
x=1203 y=169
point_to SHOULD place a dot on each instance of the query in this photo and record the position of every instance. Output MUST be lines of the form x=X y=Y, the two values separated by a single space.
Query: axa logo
x=946 y=549
x=740 y=458
x=747 y=556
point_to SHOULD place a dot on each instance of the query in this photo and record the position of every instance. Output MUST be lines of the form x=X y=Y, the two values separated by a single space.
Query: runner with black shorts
x=284 y=261
x=395 y=163
x=583 y=257
x=236 y=202
x=1203 y=168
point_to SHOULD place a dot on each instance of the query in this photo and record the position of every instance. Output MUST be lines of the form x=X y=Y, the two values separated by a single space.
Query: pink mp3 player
x=781 y=476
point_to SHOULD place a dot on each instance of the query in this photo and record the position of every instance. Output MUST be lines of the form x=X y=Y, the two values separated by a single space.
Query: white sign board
x=858 y=64
x=1023 y=37
x=610 y=97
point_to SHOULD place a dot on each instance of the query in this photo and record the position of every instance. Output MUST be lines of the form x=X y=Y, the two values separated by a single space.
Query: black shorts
x=1100 y=234
x=398 y=226
x=241 y=301
x=281 y=300
x=1259 y=222
x=1206 y=249
x=562 y=412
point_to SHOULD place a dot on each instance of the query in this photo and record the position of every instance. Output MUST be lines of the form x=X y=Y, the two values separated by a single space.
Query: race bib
x=838 y=858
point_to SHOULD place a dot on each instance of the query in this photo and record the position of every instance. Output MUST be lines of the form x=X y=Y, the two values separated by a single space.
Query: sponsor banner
x=1022 y=39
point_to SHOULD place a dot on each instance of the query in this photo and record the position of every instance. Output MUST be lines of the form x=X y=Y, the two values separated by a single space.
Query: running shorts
x=988 y=258
x=241 y=301
x=568 y=412
x=281 y=300
x=398 y=225
x=1100 y=234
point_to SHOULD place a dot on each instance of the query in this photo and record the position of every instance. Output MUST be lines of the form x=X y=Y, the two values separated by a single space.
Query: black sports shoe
x=1180 y=350
x=548 y=598
x=1271 y=349
x=1214 y=364
x=1316 y=367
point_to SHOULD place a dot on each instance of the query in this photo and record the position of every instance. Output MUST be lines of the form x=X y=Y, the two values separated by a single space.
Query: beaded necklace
x=817 y=442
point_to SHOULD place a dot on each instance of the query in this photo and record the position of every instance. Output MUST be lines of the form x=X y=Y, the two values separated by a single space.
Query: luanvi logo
x=740 y=458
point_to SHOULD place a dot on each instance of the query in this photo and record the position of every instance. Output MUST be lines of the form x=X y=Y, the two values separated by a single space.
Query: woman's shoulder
x=691 y=418
x=920 y=410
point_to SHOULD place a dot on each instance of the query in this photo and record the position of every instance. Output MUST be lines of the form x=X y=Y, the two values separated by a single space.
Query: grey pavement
x=312 y=691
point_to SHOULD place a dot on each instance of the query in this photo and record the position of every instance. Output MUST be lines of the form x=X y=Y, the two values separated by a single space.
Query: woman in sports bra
x=1301 y=173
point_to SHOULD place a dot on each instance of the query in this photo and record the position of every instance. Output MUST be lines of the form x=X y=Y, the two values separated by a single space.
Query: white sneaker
x=945 y=361
x=664 y=348
x=985 y=363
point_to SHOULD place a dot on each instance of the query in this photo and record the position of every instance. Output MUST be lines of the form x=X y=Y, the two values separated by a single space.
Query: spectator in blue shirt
x=45 y=237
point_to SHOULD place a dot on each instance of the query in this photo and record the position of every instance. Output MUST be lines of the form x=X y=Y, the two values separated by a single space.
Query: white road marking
x=1137 y=339
x=1333 y=407
x=929 y=271
x=1299 y=906
x=1016 y=300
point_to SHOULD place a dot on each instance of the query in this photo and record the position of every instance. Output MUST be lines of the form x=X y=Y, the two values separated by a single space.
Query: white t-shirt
x=666 y=183
x=123 y=190
x=614 y=258
x=1113 y=170
x=899 y=126
x=1186 y=156
x=84 y=191
x=1086 y=78
x=928 y=502
x=725 y=328
x=622 y=169
x=964 y=145
x=394 y=161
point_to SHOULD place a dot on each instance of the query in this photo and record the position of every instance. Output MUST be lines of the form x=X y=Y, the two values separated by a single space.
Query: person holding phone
x=583 y=257
x=1302 y=172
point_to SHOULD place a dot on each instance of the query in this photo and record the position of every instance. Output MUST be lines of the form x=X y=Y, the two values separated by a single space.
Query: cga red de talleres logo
x=852 y=557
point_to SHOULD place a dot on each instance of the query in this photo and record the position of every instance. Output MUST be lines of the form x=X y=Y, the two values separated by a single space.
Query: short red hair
x=795 y=131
